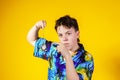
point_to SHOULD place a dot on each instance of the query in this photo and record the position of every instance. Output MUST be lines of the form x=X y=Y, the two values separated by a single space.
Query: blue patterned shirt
x=83 y=61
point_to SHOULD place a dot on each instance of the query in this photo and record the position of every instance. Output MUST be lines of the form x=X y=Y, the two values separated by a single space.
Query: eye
x=60 y=35
x=68 y=33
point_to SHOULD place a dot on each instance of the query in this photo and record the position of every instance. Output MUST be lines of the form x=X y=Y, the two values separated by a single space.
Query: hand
x=63 y=50
x=40 y=24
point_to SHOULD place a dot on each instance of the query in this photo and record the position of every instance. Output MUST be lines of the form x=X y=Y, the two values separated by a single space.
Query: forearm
x=70 y=69
x=33 y=34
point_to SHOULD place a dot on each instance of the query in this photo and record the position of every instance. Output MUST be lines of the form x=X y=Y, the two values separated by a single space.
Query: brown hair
x=68 y=22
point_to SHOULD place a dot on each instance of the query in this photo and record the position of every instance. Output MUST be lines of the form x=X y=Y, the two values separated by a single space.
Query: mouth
x=66 y=44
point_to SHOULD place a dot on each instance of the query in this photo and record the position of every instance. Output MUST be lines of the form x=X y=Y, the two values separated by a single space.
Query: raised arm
x=33 y=33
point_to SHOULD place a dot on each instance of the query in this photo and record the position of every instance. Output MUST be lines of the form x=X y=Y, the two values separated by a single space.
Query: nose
x=65 y=38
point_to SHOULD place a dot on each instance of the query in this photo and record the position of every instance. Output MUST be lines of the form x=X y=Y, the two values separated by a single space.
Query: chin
x=69 y=48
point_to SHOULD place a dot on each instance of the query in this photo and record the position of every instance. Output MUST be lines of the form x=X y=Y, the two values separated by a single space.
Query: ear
x=78 y=34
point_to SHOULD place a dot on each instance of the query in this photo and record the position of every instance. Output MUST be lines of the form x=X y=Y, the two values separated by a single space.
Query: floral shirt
x=83 y=61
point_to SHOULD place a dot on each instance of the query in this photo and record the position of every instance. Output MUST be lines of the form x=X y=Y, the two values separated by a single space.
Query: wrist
x=36 y=27
x=67 y=56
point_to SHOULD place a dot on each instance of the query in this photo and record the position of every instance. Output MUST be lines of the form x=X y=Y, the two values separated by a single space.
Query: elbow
x=74 y=78
x=32 y=42
x=77 y=78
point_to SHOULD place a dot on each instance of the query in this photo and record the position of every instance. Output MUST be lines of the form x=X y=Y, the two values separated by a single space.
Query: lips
x=66 y=44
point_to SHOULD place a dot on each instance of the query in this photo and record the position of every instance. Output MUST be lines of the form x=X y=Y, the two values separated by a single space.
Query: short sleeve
x=42 y=48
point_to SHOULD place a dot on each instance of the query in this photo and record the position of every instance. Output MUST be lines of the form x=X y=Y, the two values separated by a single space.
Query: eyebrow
x=68 y=31
x=65 y=32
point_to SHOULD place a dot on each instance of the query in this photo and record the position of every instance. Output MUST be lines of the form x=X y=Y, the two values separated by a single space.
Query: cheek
x=73 y=38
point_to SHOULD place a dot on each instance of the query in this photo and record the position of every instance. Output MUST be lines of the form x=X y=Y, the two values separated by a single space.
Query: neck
x=74 y=48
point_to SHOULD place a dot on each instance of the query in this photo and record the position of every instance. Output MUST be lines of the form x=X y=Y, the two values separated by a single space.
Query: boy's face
x=68 y=37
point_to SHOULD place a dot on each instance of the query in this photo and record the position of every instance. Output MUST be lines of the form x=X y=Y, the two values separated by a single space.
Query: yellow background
x=99 y=22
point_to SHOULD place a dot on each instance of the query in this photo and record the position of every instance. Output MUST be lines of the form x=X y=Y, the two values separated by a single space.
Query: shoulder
x=88 y=56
